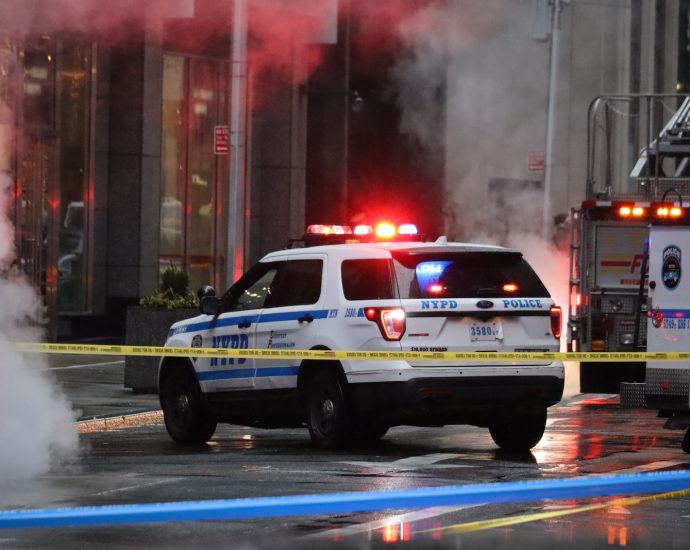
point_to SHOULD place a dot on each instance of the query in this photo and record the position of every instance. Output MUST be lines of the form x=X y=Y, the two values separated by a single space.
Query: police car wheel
x=326 y=411
x=185 y=418
x=519 y=432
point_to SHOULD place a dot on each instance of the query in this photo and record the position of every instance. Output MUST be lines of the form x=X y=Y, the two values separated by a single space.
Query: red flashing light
x=391 y=321
x=556 y=320
x=385 y=230
x=510 y=287
x=436 y=289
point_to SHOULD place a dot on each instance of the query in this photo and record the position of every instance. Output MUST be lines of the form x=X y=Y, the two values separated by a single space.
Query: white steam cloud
x=473 y=91
x=36 y=420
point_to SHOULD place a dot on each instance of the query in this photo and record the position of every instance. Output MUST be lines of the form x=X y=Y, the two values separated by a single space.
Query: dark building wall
x=360 y=166
x=133 y=190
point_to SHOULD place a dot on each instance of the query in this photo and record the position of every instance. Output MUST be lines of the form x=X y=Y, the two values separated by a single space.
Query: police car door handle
x=305 y=319
x=244 y=324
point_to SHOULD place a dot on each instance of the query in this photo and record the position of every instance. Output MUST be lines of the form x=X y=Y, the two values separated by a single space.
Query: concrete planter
x=148 y=326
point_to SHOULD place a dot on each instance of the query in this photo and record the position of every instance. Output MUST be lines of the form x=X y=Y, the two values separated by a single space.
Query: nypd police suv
x=364 y=294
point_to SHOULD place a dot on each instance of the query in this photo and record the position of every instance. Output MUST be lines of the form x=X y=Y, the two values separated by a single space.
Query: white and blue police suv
x=400 y=295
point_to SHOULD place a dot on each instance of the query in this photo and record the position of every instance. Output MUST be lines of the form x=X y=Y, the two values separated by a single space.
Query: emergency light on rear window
x=428 y=274
x=510 y=287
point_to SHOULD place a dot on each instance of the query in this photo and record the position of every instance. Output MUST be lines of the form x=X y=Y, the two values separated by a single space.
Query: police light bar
x=323 y=234
x=329 y=229
x=407 y=229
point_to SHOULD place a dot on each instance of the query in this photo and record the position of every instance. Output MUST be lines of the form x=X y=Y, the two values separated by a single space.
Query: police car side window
x=368 y=279
x=298 y=282
x=252 y=289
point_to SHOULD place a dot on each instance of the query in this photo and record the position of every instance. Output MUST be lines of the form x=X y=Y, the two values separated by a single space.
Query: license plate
x=486 y=331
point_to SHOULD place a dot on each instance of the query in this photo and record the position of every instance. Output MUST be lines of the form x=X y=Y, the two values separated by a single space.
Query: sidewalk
x=94 y=384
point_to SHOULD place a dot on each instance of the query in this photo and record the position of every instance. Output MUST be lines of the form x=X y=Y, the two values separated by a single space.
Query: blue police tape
x=331 y=503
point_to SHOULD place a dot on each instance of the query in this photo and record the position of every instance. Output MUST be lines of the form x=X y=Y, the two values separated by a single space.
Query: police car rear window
x=368 y=279
x=466 y=275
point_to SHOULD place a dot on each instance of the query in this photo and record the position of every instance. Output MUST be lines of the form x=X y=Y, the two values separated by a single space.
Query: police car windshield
x=424 y=274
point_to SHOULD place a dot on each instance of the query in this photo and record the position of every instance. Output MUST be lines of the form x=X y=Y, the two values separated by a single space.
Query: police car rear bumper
x=470 y=400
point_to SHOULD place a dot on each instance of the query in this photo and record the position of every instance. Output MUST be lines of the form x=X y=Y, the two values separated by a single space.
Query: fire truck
x=638 y=177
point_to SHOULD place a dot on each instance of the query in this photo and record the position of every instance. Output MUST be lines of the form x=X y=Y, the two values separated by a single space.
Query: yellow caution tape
x=449 y=356
x=515 y=520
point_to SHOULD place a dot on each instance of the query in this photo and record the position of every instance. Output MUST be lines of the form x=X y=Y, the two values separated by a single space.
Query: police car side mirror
x=206 y=290
x=210 y=305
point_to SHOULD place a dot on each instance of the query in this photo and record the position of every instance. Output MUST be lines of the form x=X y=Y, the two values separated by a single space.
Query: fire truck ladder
x=673 y=141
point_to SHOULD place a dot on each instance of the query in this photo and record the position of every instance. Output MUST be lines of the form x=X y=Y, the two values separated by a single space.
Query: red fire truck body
x=638 y=167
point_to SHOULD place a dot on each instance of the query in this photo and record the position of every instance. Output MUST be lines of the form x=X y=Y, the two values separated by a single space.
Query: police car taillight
x=510 y=287
x=556 y=320
x=391 y=321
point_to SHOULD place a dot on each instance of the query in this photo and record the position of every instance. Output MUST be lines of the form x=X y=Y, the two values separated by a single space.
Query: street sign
x=535 y=161
x=221 y=140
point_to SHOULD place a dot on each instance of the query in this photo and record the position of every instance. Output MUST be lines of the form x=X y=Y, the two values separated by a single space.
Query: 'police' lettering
x=524 y=303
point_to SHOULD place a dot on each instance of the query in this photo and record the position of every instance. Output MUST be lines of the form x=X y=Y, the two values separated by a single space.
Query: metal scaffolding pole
x=238 y=142
x=547 y=221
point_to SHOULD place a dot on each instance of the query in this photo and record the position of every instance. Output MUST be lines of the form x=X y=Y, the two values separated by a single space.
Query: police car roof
x=376 y=248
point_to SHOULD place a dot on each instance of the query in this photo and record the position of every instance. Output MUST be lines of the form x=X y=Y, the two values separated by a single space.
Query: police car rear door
x=290 y=318
x=483 y=301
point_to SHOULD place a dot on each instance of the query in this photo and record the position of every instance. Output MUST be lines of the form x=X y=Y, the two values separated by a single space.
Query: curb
x=120 y=422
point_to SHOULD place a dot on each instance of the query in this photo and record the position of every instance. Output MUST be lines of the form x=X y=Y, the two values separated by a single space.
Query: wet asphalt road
x=127 y=462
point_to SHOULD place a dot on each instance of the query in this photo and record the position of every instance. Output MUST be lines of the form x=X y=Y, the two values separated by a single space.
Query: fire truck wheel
x=686 y=442
x=327 y=411
x=183 y=411
x=519 y=432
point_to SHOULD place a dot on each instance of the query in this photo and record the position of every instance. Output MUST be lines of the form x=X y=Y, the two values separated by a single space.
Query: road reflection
x=588 y=436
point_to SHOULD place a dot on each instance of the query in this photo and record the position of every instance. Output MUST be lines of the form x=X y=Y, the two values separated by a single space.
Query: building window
x=194 y=178
x=55 y=181
x=74 y=85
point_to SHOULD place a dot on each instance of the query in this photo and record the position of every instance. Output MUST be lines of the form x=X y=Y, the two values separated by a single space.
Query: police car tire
x=327 y=415
x=183 y=411
x=519 y=432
